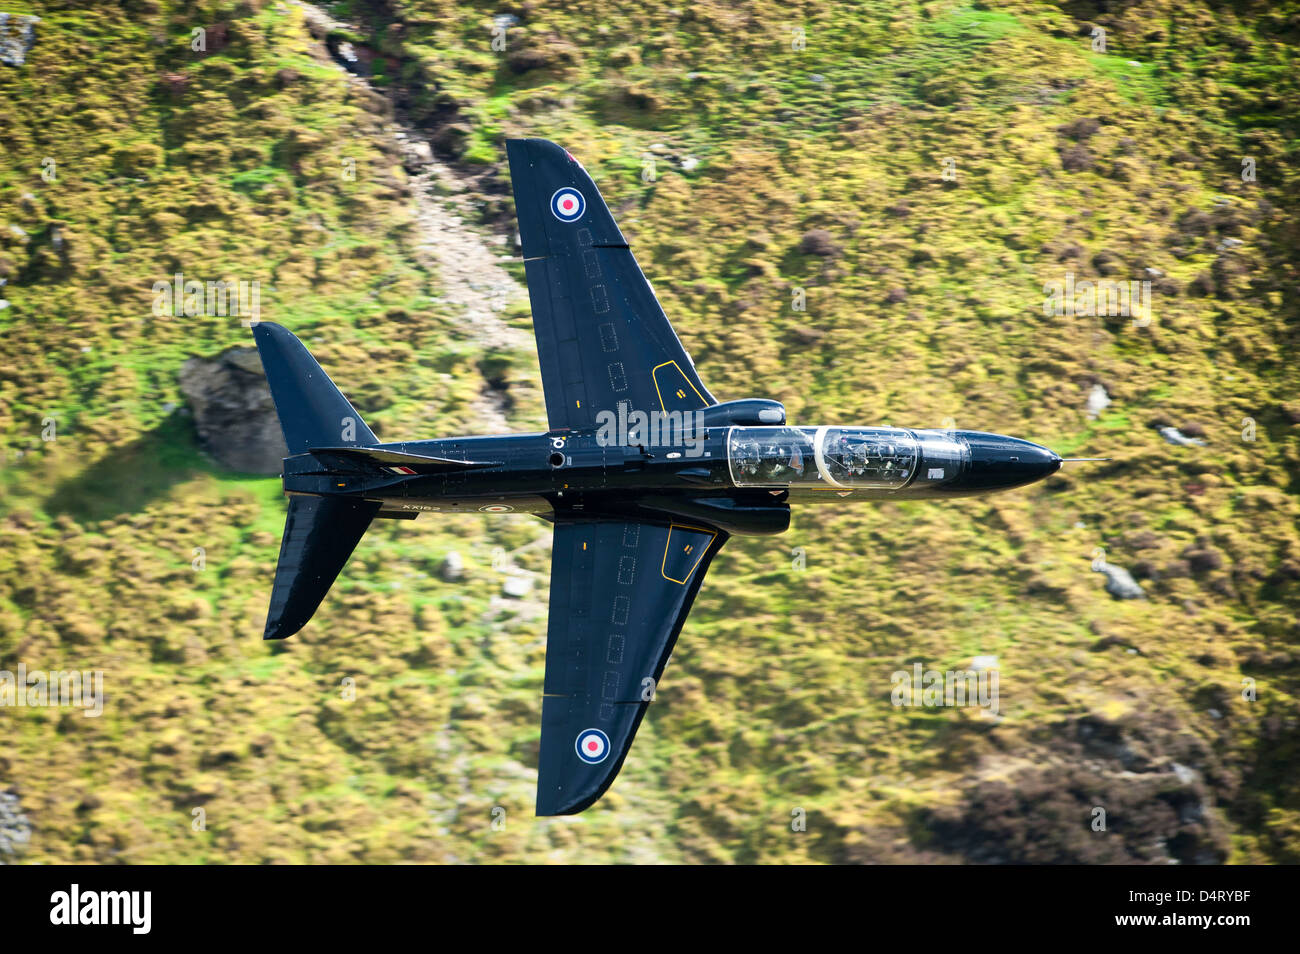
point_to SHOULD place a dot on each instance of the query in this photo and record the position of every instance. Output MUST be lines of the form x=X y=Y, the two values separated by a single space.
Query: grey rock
x=1174 y=436
x=422 y=151
x=1098 y=400
x=517 y=586
x=452 y=568
x=233 y=411
x=15 y=829
x=1120 y=583
x=17 y=34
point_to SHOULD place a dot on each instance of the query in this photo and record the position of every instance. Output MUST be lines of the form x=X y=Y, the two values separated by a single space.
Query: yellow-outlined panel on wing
x=713 y=535
x=654 y=376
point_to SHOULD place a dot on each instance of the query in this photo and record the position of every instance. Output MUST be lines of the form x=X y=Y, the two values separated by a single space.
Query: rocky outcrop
x=233 y=411
x=1137 y=790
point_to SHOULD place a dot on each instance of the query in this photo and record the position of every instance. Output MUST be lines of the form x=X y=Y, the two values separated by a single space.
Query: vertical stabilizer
x=313 y=412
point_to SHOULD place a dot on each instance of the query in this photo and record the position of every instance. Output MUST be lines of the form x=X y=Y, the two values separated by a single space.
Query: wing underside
x=602 y=337
x=620 y=592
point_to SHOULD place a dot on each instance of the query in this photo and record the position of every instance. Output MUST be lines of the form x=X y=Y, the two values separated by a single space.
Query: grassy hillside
x=782 y=161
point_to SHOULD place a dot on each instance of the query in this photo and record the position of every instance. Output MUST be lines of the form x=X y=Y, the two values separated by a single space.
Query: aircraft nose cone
x=1000 y=463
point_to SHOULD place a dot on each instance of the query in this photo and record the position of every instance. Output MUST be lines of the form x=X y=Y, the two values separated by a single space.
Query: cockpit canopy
x=848 y=457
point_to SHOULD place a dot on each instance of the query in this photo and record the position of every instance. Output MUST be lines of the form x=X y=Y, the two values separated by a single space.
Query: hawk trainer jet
x=642 y=472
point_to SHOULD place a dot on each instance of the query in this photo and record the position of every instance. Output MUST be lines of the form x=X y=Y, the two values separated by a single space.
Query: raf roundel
x=592 y=746
x=568 y=204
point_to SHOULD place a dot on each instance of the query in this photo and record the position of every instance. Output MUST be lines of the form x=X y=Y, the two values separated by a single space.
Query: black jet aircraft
x=642 y=472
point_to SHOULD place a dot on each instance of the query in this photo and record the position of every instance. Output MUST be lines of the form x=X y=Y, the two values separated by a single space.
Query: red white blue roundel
x=568 y=204
x=592 y=746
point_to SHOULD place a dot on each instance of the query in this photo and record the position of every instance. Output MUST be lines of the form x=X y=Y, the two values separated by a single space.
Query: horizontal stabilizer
x=319 y=536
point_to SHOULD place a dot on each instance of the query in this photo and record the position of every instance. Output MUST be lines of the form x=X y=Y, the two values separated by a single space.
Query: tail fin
x=313 y=413
x=319 y=536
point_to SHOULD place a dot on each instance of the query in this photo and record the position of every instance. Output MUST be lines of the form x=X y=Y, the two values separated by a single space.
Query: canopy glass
x=846 y=457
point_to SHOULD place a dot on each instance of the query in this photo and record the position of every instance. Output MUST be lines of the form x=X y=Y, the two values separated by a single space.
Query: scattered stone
x=1120 y=583
x=517 y=586
x=233 y=411
x=981 y=663
x=1098 y=401
x=452 y=569
x=818 y=242
x=690 y=164
x=1154 y=272
x=1174 y=436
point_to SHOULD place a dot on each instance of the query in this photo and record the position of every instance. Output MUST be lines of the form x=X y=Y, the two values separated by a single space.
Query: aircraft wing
x=602 y=338
x=620 y=592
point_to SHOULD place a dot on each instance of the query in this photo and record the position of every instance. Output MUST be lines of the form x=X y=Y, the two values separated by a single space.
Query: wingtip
x=265 y=329
x=556 y=804
x=277 y=631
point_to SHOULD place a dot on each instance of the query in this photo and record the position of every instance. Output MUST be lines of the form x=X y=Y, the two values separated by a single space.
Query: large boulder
x=233 y=411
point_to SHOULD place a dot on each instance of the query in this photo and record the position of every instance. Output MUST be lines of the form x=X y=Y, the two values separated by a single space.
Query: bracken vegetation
x=795 y=147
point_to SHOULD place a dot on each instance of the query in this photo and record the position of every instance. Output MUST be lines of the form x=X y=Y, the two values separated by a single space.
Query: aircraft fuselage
x=751 y=468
